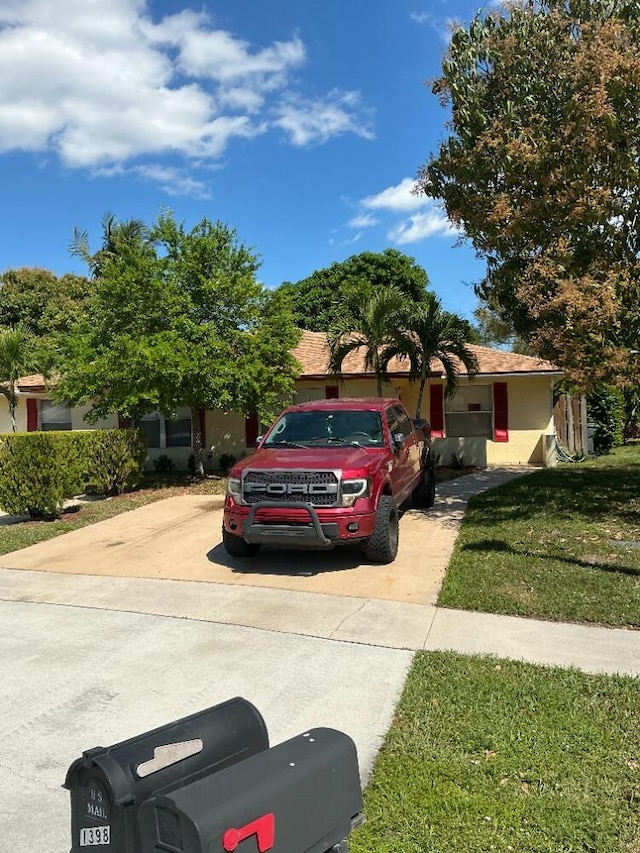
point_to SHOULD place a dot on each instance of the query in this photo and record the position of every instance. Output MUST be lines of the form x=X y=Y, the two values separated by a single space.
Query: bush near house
x=39 y=470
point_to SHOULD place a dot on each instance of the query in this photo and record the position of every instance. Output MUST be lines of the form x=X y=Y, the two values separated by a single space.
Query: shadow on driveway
x=290 y=562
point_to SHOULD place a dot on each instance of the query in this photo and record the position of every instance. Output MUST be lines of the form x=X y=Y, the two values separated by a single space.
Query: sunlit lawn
x=491 y=755
x=560 y=544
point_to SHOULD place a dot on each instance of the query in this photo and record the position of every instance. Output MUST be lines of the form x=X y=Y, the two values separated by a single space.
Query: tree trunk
x=421 y=387
x=198 y=442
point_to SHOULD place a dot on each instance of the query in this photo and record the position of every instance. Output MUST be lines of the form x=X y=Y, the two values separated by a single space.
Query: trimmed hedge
x=39 y=470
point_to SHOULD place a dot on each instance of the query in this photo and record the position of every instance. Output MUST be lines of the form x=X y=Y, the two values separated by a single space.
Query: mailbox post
x=108 y=784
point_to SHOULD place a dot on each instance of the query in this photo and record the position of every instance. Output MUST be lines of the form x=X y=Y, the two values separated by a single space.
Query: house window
x=164 y=432
x=53 y=416
x=305 y=395
x=469 y=412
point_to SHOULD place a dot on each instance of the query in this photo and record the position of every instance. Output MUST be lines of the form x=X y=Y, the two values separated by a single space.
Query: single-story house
x=502 y=416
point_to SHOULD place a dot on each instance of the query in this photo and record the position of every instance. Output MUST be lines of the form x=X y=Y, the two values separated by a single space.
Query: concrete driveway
x=180 y=539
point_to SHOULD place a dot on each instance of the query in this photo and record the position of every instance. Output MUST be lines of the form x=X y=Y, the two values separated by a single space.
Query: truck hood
x=312 y=459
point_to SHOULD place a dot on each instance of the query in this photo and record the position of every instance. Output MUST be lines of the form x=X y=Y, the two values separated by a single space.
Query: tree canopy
x=390 y=324
x=178 y=319
x=321 y=299
x=424 y=332
x=542 y=171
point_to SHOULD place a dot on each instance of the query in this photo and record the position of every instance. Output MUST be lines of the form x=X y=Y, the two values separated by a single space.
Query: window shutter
x=331 y=392
x=436 y=410
x=32 y=415
x=124 y=423
x=251 y=428
x=500 y=412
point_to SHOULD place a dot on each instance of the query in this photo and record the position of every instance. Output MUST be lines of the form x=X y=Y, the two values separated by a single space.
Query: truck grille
x=319 y=488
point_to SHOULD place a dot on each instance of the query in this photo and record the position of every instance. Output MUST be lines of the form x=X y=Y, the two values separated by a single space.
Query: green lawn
x=490 y=755
x=560 y=544
x=154 y=488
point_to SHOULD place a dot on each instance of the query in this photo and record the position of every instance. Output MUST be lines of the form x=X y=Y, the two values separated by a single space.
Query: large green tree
x=45 y=303
x=179 y=319
x=323 y=298
x=542 y=171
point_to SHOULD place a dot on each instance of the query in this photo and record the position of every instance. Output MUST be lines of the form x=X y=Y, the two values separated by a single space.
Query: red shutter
x=331 y=392
x=32 y=414
x=124 y=423
x=251 y=428
x=436 y=410
x=500 y=412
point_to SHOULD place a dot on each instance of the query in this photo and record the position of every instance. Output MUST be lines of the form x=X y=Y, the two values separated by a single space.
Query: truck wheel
x=424 y=494
x=382 y=545
x=236 y=546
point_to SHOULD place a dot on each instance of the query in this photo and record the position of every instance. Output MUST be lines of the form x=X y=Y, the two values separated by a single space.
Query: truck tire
x=236 y=546
x=382 y=545
x=424 y=494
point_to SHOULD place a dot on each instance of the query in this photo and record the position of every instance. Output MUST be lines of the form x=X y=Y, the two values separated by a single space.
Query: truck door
x=401 y=471
x=412 y=446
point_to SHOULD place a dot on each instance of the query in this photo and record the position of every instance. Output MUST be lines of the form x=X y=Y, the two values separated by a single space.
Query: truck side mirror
x=398 y=441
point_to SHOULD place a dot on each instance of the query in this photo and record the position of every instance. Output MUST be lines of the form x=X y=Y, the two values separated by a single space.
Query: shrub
x=226 y=462
x=163 y=464
x=39 y=470
x=117 y=459
x=605 y=409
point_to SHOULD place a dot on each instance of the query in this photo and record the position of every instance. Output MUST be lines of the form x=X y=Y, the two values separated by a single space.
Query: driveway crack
x=348 y=616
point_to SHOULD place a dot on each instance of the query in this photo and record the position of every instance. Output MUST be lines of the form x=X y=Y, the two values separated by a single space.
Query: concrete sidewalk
x=384 y=624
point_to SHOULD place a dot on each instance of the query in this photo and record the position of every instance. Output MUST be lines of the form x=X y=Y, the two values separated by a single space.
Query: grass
x=487 y=755
x=561 y=544
x=153 y=488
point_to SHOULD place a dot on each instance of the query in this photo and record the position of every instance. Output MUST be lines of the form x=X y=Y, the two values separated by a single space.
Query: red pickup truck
x=330 y=472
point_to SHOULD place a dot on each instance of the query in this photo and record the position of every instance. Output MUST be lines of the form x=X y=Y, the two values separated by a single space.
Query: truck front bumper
x=307 y=530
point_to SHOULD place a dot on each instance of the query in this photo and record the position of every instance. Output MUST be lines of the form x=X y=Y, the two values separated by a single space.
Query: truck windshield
x=322 y=427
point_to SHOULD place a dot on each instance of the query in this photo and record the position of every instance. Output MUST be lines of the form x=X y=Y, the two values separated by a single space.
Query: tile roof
x=35 y=382
x=313 y=354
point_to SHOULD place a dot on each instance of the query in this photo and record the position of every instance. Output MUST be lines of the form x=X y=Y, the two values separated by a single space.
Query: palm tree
x=426 y=333
x=115 y=235
x=16 y=360
x=370 y=327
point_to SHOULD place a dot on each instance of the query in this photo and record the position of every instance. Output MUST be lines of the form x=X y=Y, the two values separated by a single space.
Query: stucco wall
x=77 y=417
x=225 y=433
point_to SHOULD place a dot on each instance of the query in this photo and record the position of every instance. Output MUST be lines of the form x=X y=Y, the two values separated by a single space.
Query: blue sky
x=301 y=124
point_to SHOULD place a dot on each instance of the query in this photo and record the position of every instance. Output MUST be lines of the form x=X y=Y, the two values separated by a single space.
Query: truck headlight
x=353 y=489
x=234 y=488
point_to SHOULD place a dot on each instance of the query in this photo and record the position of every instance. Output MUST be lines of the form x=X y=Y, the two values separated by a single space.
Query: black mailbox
x=302 y=796
x=108 y=784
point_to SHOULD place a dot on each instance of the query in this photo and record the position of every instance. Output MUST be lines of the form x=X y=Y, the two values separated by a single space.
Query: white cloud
x=309 y=121
x=363 y=220
x=428 y=220
x=102 y=83
x=433 y=223
x=397 y=198
x=420 y=17
x=173 y=181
